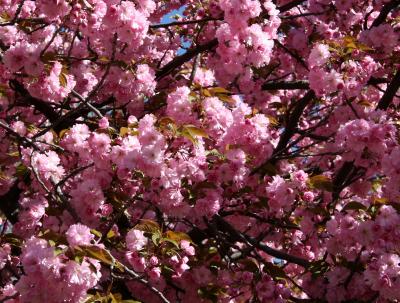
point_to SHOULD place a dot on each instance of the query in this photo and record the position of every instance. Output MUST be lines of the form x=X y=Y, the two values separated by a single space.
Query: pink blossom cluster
x=199 y=151
x=65 y=280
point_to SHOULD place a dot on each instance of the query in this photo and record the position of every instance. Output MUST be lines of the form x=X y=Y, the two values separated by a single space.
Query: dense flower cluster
x=199 y=151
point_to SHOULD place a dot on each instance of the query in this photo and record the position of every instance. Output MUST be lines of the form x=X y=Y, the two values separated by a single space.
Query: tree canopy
x=239 y=151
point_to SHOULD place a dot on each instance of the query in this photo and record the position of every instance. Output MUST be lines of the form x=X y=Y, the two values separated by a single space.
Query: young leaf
x=354 y=205
x=320 y=182
x=148 y=226
x=177 y=236
x=63 y=79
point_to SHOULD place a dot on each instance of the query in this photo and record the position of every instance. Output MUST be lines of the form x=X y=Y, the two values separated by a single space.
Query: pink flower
x=187 y=248
x=14 y=57
x=308 y=196
x=319 y=55
x=209 y=205
x=179 y=107
x=135 y=240
x=154 y=273
x=79 y=234
x=103 y=123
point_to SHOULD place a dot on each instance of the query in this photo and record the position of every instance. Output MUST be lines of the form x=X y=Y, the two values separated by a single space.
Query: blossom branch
x=390 y=92
x=225 y=226
x=385 y=10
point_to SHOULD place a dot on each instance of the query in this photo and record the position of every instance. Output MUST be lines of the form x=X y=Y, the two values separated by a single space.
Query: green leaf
x=96 y=233
x=4 y=176
x=376 y=185
x=163 y=240
x=164 y=121
x=155 y=238
x=221 y=93
x=177 y=236
x=215 y=153
x=212 y=250
x=318 y=210
x=380 y=200
x=191 y=132
x=53 y=237
x=148 y=226
x=354 y=205
x=218 y=90
x=110 y=234
x=21 y=170
x=12 y=239
x=269 y=169
x=49 y=57
x=320 y=182
x=226 y=99
x=63 y=79
x=205 y=92
x=195 y=131
x=318 y=268
x=100 y=254
x=94 y=298
x=62 y=133
x=123 y=131
x=97 y=253
x=211 y=292
x=115 y=298
x=59 y=251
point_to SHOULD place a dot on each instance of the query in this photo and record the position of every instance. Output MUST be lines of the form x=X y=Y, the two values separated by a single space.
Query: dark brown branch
x=187 y=22
x=16 y=16
x=304 y=84
x=225 y=226
x=9 y=203
x=290 y=128
x=386 y=9
x=340 y=179
x=302 y=15
x=292 y=53
x=345 y=173
x=24 y=140
x=290 y=5
x=179 y=60
x=301 y=84
x=69 y=118
x=390 y=92
x=25 y=98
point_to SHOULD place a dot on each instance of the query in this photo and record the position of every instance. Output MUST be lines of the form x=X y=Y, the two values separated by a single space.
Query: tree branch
x=290 y=5
x=390 y=92
x=43 y=107
x=259 y=245
x=186 y=22
x=304 y=84
x=301 y=84
x=179 y=60
x=385 y=12
x=290 y=128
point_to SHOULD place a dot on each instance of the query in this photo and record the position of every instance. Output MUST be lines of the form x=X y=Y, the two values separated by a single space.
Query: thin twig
x=50 y=42
x=72 y=174
x=103 y=78
x=87 y=103
x=138 y=278
x=187 y=22
x=28 y=141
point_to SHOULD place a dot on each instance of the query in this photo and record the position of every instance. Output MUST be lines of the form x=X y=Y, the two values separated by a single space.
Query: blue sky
x=168 y=19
